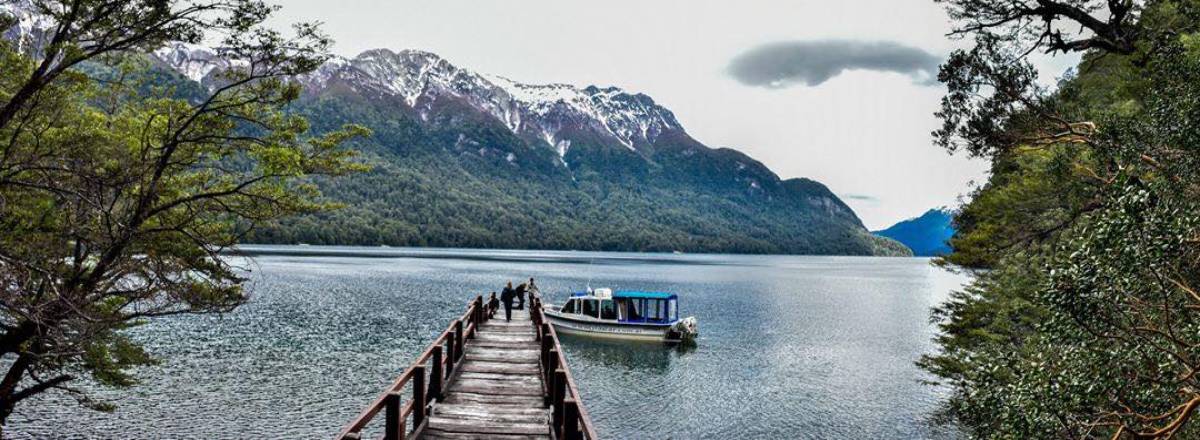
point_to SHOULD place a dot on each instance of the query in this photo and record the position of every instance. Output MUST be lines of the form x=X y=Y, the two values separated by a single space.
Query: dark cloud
x=860 y=197
x=783 y=64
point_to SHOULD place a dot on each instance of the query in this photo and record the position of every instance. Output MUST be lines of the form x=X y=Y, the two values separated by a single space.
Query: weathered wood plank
x=504 y=337
x=500 y=368
x=483 y=427
x=514 y=345
x=503 y=357
x=493 y=414
x=435 y=434
x=462 y=398
x=502 y=377
x=473 y=408
x=501 y=388
x=523 y=350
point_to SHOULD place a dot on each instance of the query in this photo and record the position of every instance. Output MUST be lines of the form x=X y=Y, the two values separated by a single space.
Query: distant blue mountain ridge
x=927 y=235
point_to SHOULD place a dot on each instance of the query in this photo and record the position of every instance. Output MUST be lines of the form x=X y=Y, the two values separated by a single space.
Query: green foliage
x=117 y=194
x=1083 y=323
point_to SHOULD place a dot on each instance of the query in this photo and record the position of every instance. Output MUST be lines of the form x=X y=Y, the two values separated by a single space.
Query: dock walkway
x=498 y=380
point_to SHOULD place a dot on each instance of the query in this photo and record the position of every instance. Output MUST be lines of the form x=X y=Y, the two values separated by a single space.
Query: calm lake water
x=790 y=347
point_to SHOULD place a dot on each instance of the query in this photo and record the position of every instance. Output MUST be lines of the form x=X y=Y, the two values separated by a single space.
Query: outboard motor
x=687 y=329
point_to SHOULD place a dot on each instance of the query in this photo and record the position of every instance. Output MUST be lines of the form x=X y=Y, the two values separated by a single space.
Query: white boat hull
x=585 y=326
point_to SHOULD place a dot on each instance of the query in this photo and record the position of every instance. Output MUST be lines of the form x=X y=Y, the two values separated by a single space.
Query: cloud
x=783 y=64
x=860 y=198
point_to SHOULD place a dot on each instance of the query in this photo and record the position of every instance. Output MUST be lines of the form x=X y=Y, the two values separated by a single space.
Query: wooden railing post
x=478 y=312
x=551 y=365
x=393 y=423
x=418 y=384
x=560 y=391
x=449 y=356
x=570 y=429
x=458 y=339
x=435 y=373
x=546 y=345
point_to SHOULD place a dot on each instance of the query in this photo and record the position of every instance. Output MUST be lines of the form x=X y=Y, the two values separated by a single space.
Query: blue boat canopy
x=643 y=295
x=634 y=294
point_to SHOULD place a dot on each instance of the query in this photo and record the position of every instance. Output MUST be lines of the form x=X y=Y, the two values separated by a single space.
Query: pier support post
x=560 y=392
x=458 y=339
x=449 y=356
x=547 y=344
x=551 y=365
x=570 y=428
x=418 y=384
x=477 y=317
x=393 y=423
x=436 y=374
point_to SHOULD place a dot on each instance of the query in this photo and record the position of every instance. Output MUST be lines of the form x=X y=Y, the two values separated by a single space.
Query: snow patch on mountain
x=539 y=111
x=551 y=113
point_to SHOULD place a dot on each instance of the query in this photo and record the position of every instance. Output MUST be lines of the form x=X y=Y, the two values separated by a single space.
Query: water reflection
x=641 y=356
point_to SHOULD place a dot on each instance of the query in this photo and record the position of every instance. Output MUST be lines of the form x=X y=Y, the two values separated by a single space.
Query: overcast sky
x=842 y=92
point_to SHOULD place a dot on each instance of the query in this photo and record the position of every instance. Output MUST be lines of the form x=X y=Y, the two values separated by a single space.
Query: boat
x=629 y=315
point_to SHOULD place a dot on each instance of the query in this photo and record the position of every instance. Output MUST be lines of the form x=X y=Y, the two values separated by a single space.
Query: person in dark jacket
x=493 y=304
x=520 y=293
x=506 y=296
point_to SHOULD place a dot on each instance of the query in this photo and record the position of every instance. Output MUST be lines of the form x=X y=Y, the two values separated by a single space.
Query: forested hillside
x=1084 y=318
x=463 y=160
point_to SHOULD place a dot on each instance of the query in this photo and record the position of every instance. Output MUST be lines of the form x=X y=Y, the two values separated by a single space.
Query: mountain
x=463 y=159
x=927 y=235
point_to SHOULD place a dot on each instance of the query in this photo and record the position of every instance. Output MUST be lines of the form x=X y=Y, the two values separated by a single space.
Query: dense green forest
x=1084 y=317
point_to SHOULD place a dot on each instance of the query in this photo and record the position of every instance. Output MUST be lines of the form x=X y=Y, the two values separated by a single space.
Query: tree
x=1085 y=323
x=117 y=198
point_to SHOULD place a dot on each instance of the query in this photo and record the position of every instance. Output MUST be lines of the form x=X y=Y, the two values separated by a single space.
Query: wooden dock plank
x=500 y=378
x=496 y=392
x=503 y=389
x=501 y=356
x=435 y=434
x=500 y=368
x=462 y=398
x=484 y=427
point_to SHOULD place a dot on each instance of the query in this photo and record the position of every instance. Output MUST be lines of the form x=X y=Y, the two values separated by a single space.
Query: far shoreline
x=359 y=251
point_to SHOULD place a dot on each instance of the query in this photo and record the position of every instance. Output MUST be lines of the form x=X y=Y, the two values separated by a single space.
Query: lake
x=790 y=346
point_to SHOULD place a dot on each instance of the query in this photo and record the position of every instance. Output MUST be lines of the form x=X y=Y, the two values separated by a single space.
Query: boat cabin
x=624 y=306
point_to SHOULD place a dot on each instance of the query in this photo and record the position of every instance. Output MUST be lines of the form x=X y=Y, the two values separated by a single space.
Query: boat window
x=657 y=313
x=673 y=309
x=607 y=310
x=629 y=308
x=589 y=308
x=570 y=306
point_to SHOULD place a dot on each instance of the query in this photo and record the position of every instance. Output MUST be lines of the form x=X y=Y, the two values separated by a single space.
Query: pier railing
x=437 y=363
x=569 y=418
x=429 y=374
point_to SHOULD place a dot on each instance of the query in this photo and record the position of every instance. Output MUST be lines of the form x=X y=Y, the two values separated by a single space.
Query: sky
x=842 y=92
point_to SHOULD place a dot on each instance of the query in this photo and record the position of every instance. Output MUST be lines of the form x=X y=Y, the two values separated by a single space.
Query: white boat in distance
x=630 y=315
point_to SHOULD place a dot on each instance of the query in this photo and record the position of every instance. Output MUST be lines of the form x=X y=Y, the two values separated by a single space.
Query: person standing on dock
x=506 y=296
x=493 y=305
x=520 y=292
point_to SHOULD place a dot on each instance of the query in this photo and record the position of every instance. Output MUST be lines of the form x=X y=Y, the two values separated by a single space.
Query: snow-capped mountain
x=552 y=113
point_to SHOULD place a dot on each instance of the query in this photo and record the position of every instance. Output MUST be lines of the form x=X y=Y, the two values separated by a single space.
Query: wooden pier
x=482 y=379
